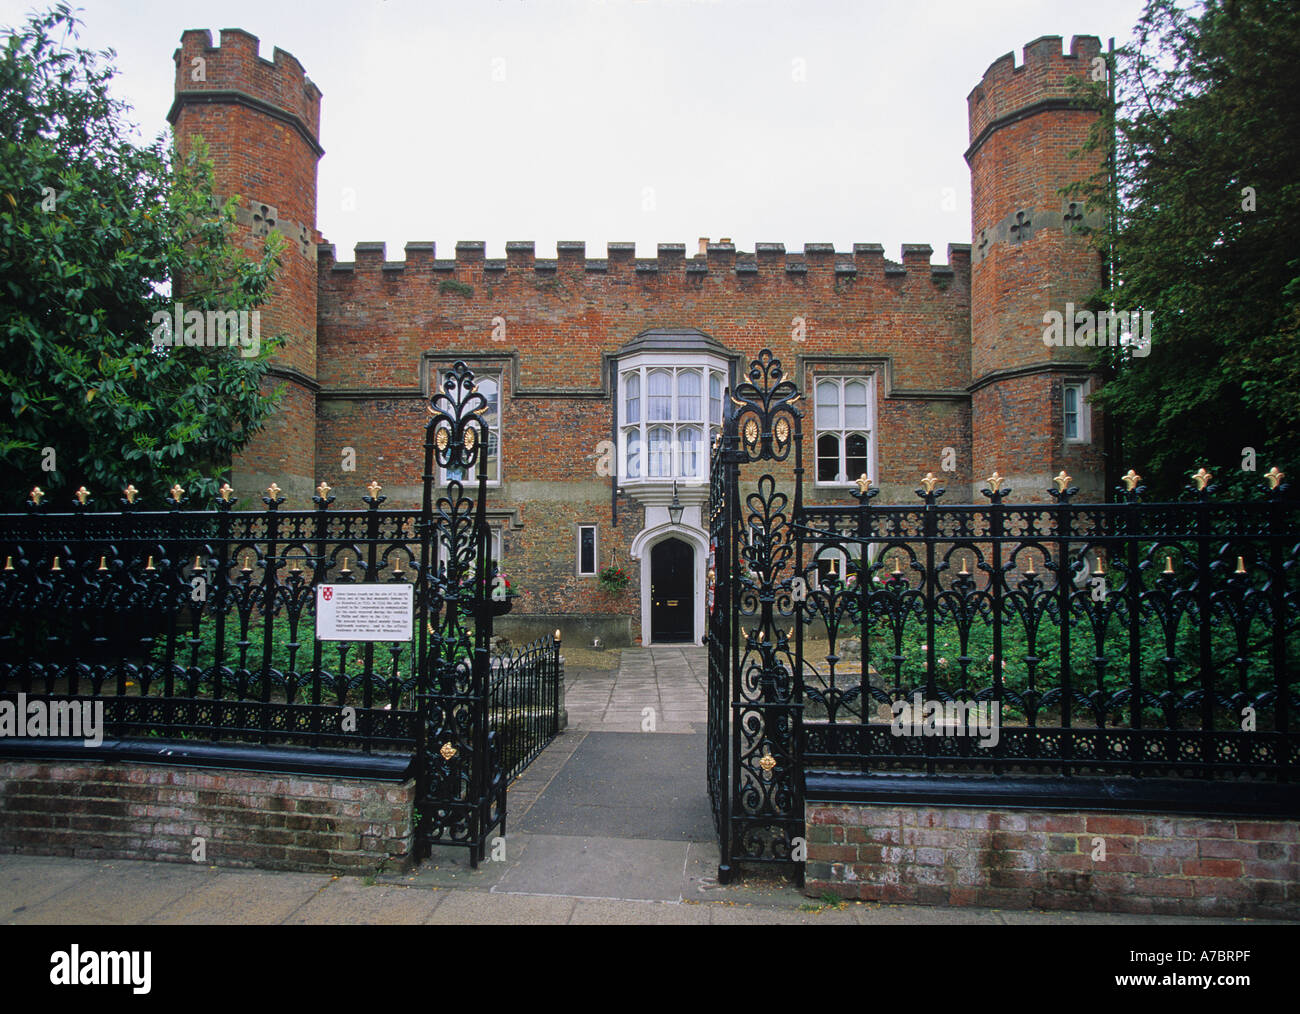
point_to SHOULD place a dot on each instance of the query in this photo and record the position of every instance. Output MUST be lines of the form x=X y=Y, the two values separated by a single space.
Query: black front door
x=672 y=592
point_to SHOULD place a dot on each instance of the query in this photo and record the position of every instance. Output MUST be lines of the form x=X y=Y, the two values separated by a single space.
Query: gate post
x=756 y=676
x=457 y=792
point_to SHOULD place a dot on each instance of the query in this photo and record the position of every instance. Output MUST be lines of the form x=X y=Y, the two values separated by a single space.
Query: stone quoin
x=608 y=374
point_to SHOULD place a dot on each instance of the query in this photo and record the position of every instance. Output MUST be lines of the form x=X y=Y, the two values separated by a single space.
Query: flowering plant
x=613 y=579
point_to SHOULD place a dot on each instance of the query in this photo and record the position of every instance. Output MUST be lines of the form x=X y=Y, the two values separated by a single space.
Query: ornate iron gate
x=755 y=628
x=460 y=786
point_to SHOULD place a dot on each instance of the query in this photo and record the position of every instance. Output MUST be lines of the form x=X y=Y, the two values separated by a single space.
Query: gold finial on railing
x=1241 y=565
x=1062 y=481
x=397 y=565
x=995 y=480
x=897 y=569
x=198 y=564
x=149 y=564
x=225 y=492
x=56 y=566
x=177 y=491
x=130 y=493
x=323 y=490
x=9 y=563
x=1101 y=565
x=833 y=574
x=1202 y=479
x=1274 y=477
x=243 y=560
x=273 y=491
x=36 y=495
x=1169 y=565
x=344 y=569
x=374 y=488
x=964 y=572
x=1131 y=479
x=557 y=635
x=930 y=481
x=103 y=565
x=1031 y=572
x=82 y=495
x=863 y=483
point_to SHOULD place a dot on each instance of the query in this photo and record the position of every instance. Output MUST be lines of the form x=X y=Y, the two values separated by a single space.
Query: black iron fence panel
x=200 y=624
x=1121 y=639
x=524 y=702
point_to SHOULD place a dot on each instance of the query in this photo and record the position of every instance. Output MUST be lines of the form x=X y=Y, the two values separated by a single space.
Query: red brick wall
x=1162 y=864
x=98 y=810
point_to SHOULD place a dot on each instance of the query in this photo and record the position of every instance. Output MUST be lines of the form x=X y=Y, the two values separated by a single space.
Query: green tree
x=1206 y=145
x=96 y=232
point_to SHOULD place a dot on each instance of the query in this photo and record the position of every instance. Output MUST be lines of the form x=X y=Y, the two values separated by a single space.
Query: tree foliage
x=96 y=232
x=1206 y=145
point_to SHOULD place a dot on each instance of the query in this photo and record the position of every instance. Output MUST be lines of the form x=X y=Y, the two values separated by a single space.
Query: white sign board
x=364 y=612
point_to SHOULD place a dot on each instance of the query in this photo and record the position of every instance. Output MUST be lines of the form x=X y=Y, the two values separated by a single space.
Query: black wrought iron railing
x=1126 y=638
x=200 y=624
x=524 y=702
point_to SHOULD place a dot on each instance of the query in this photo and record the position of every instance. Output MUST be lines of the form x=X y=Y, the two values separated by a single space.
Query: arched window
x=845 y=418
x=660 y=392
x=660 y=444
x=632 y=398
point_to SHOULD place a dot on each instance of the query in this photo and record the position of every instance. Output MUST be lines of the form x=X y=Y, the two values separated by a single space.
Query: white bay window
x=668 y=413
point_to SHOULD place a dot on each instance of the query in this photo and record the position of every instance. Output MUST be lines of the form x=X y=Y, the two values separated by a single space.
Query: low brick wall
x=1153 y=863
x=99 y=810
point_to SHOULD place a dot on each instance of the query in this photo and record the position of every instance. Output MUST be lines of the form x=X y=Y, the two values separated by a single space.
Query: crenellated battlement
x=866 y=260
x=236 y=70
x=1043 y=77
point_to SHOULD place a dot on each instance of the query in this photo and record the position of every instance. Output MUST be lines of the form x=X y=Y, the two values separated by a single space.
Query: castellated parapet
x=236 y=66
x=1044 y=74
x=865 y=260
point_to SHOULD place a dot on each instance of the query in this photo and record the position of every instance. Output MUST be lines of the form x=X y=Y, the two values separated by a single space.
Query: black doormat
x=628 y=785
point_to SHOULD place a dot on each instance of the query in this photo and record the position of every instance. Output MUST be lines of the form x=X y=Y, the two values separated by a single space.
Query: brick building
x=607 y=374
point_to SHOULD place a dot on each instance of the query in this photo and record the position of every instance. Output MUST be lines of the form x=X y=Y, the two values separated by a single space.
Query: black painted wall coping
x=237 y=756
x=1193 y=798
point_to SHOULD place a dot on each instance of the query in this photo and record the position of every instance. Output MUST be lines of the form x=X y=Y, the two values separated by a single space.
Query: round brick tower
x=1027 y=261
x=261 y=121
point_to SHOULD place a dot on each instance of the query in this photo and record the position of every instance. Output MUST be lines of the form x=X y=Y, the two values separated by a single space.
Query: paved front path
x=672 y=681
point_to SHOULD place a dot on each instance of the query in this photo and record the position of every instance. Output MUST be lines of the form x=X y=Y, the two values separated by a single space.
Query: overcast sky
x=654 y=121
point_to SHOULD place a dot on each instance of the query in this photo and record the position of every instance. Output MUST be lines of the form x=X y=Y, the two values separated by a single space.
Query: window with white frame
x=488 y=385
x=844 y=409
x=587 y=559
x=668 y=416
x=1075 y=408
